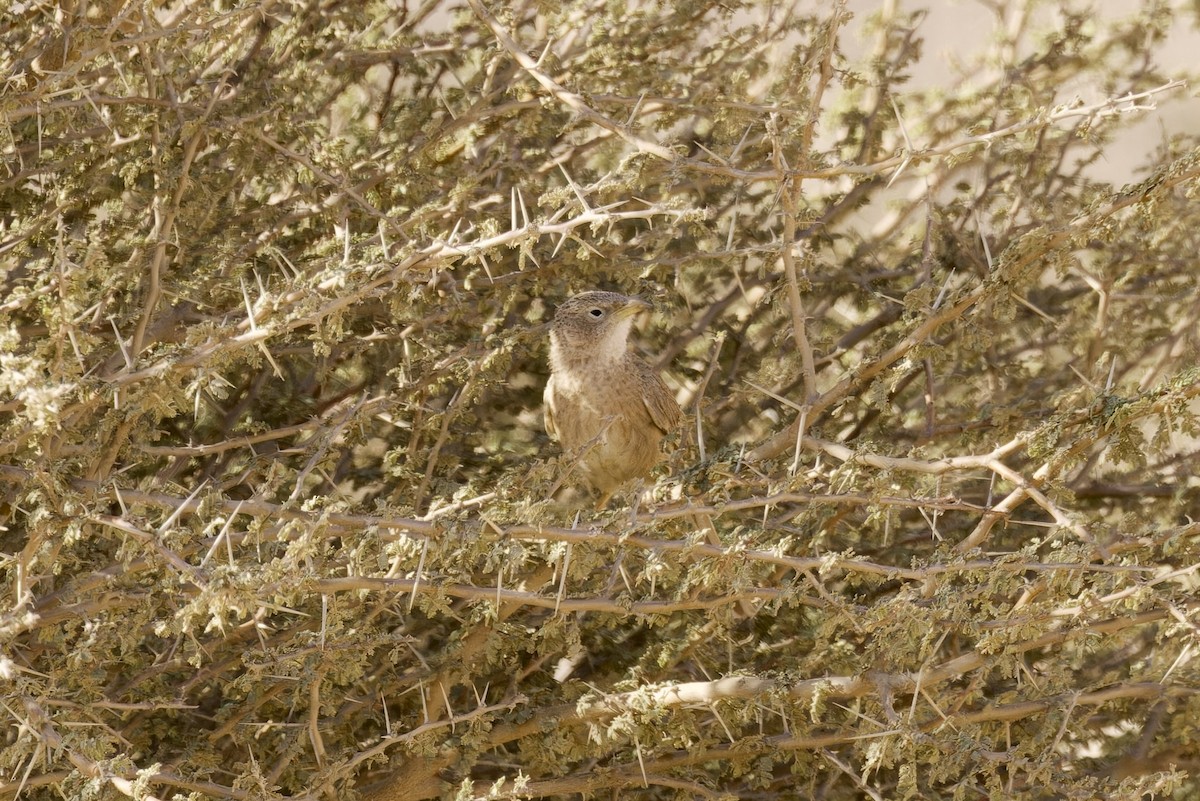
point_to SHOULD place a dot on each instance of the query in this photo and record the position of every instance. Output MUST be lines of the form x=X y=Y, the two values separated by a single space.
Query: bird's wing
x=664 y=411
x=548 y=410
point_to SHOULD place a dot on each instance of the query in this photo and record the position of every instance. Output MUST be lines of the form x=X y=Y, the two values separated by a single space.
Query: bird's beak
x=632 y=307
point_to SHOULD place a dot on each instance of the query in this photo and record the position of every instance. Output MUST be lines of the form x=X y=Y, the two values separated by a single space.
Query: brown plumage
x=607 y=408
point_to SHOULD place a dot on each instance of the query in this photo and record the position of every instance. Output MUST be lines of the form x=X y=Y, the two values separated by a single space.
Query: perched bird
x=607 y=408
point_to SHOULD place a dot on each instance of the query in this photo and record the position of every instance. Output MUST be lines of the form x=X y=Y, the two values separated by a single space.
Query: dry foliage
x=276 y=515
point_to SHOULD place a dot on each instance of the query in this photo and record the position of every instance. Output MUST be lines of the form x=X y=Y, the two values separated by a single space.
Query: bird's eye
x=596 y=313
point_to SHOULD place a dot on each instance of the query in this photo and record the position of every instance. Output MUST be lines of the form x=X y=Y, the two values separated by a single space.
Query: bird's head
x=594 y=326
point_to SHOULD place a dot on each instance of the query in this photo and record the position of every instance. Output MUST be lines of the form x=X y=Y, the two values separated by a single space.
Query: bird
x=606 y=407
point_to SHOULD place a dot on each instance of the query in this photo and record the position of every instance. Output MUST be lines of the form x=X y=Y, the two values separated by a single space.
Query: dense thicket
x=277 y=508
